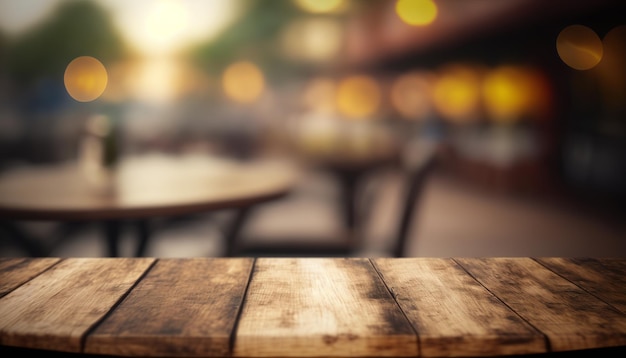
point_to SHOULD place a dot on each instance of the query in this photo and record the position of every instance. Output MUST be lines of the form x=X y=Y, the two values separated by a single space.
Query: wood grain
x=571 y=318
x=604 y=278
x=453 y=314
x=315 y=307
x=183 y=307
x=55 y=309
x=16 y=271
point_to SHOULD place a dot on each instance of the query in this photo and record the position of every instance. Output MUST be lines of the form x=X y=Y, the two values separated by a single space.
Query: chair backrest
x=419 y=164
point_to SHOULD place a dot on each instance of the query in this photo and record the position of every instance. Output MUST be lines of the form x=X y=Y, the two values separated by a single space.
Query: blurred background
x=525 y=99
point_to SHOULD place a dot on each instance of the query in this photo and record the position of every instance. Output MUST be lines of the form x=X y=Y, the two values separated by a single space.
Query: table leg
x=231 y=236
x=143 y=233
x=112 y=231
x=349 y=183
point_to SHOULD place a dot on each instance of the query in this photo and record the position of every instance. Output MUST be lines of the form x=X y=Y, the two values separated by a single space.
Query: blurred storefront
x=520 y=100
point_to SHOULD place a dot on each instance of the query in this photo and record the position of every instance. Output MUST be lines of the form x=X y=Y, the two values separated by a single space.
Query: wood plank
x=183 y=307
x=55 y=309
x=316 y=307
x=571 y=318
x=16 y=271
x=605 y=278
x=453 y=314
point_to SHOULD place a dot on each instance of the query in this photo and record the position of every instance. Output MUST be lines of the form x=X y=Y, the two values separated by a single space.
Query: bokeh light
x=358 y=97
x=417 y=12
x=312 y=39
x=321 y=6
x=85 y=78
x=164 y=23
x=507 y=93
x=579 y=47
x=165 y=27
x=411 y=95
x=457 y=93
x=243 y=82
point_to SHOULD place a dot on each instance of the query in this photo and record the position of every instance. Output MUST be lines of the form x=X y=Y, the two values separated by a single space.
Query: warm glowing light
x=319 y=95
x=165 y=21
x=508 y=93
x=417 y=12
x=358 y=97
x=456 y=93
x=312 y=39
x=579 y=47
x=152 y=27
x=411 y=95
x=157 y=80
x=85 y=78
x=321 y=6
x=163 y=27
x=243 y=82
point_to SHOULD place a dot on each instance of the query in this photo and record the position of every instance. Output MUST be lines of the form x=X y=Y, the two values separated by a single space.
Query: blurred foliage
x=77 y=28
x=256 y=36
x=253 y=37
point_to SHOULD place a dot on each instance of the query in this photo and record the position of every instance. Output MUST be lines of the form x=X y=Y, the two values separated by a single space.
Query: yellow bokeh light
x=411 y=95
x=358 y=97
x=417 y=12
x=243 y=82
x=312 y=39
x=514 y=93
x=507 y=93
x=321 y=6
x=579 y=47
x=85 y=78
x=456 y=93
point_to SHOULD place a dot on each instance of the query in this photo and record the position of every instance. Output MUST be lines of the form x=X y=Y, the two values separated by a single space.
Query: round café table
x=139 y=188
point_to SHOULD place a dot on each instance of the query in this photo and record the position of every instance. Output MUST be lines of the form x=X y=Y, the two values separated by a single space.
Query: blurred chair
x=416 y=162
x=419 y=162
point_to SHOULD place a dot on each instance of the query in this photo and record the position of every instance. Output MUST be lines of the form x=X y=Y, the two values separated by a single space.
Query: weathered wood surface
x=314 y=307
x=454 y=314
x=604 y=278
x=55 y=309
x=183 y=307
x=570 y=317
x=16 y=271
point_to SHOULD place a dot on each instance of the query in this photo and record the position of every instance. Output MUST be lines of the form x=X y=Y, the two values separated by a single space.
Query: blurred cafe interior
x=458 y=128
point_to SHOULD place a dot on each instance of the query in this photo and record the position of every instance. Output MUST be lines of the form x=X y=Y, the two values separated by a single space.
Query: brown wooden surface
x=453 y=313
x=316 y=307
x=312 y=307
x=142 y=186
x=570 y=317
x=183 y=307
x=16 y=271
x=55 y=309
x=604 y=278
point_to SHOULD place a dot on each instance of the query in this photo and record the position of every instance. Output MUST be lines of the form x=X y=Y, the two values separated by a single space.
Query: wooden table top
x=312 y=307
x=141 y=186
